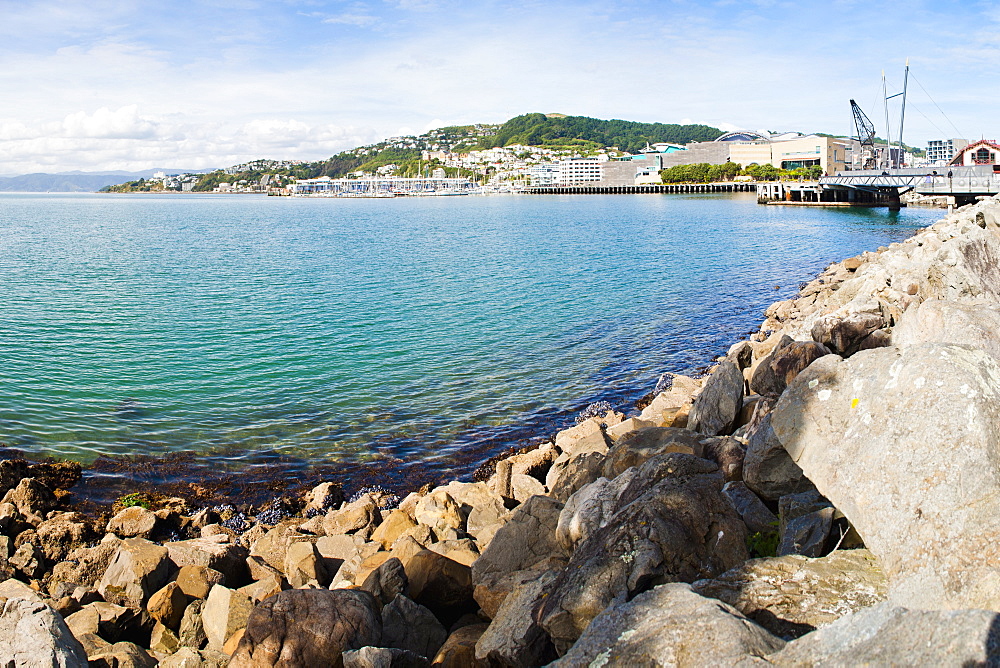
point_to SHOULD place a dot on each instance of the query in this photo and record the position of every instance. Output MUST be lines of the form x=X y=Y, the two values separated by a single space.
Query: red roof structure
x=982 y=152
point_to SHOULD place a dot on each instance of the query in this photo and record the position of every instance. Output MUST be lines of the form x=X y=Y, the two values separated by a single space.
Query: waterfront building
x=388 y=186
x=786 y=151
x=982 y=152
x=942 y=151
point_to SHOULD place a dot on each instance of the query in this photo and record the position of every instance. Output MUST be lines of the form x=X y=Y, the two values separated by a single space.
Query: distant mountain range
x=75 y=182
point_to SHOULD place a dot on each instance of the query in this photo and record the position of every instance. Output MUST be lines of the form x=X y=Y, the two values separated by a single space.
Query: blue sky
x=120 y=85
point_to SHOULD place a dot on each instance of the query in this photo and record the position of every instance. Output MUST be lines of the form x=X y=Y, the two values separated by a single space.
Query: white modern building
x=941 y=151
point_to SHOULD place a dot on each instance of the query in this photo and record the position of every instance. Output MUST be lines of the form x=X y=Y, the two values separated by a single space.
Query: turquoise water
x=252 y=330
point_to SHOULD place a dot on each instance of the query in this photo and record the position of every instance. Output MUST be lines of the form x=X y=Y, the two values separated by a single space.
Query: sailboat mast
x=902 y=113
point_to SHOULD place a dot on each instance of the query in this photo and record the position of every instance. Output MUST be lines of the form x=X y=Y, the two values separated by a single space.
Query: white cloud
x=123 y=123
x=353 y=19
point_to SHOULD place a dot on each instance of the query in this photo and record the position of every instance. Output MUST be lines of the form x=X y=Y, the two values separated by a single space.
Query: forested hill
x=630 y=136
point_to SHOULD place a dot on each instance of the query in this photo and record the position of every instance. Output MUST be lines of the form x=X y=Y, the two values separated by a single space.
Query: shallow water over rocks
x=242 y=344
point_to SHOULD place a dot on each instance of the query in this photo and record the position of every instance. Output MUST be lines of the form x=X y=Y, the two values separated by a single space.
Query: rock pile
x=825 y=496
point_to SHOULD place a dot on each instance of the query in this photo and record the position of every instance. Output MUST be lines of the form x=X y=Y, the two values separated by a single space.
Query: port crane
x=866 y=136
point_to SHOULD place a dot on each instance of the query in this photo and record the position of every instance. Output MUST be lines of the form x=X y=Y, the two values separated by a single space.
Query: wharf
x=643 y=189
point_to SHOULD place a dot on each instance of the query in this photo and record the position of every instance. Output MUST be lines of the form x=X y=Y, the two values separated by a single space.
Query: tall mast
x=902 y=113
x=888 y=133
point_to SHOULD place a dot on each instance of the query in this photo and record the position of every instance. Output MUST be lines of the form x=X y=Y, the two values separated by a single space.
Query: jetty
x=884 y=187
x=650 y=188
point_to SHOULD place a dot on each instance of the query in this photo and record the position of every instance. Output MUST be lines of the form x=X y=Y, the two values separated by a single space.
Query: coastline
x=510 y=553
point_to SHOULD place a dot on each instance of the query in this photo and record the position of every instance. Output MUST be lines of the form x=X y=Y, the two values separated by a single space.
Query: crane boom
x=866 y=135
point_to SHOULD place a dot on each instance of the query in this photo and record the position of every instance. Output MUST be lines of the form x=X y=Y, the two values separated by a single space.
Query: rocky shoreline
x=825 y=496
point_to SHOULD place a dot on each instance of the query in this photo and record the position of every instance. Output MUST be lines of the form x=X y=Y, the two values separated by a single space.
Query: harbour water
x=300 y=335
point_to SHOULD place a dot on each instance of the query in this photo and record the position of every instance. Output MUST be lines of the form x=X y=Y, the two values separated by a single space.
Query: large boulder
x=59 y=536
x=308 y=627
x=215 y=552
x=792 y=595
x=884 y=635
x=636 y=447
x=514 y=638
x=716 y=407
x=938 y=321
x=767 y=468
x=139 y=569
x=527 y=538
x=670 y=626
x=440 y=584
x=784 y=363
x=410 y=626
x=33 y=634
x=673 y=524
x=845 y=334
x=904 y=442
x=225 y=612
x=32 y=499
x=589 y=509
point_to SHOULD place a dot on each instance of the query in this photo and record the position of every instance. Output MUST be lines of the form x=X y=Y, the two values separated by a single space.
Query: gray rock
x=793 y=595
x=589 y=509
x=846 y=334
x=904 y=442
x=514 y=638
x=410 y=626
x=792 y=506
x=807 y=535
x=767 y=467
x=890 y=636
x=34 y=635
x=527 y=538
x=936 y=321
x=574 y=473
x=638 y=446
x=383 y=657
x=386 y=581
x=784 y=363
x=671 y=626
x=308 y=627
x=755 y=514
x=716 y=407
x=192 y=630
x=678 y=528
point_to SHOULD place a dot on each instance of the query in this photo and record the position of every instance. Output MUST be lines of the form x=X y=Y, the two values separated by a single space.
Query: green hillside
x=630 y=136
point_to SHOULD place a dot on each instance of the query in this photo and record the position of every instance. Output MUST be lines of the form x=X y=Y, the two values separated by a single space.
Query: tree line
x=630 y=136
x=704 y=172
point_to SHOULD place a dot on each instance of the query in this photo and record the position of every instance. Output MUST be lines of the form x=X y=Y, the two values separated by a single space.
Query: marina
x=381 y=187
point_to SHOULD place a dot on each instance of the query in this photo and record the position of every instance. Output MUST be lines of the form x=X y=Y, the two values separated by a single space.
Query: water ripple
x=255 y=330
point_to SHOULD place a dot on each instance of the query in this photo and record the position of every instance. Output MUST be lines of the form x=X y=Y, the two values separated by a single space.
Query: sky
x=97 y=85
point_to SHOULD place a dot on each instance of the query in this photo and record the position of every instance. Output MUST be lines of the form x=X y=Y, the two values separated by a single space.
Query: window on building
x=983 y=157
